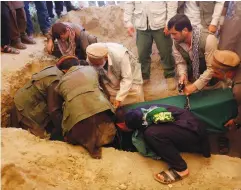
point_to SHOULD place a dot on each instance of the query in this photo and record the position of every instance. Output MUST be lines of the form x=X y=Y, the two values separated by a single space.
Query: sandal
x=223 y=144
x=10 y=50
x=19 y=45
x=170 y=176
x=27 y=40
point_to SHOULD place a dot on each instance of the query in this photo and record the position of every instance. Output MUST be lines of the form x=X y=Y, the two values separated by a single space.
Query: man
x=193 y=52
x=5 y=30
x=87 y=114
x=162 y=131
x=230 y=40
x=72 y=39
x=44 y=20
x=18 y=23
x=204 y=14
x=150 y=20
x=37 y=107
x=120 y=71
x=226 y=66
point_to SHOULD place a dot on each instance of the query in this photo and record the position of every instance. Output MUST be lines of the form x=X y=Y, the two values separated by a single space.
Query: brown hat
x=225 y=59
x=64 y=58
x=96 y=51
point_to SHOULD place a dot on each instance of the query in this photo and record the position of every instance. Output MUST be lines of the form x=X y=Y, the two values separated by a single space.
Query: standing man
x=203 y=14
x=119 y=70
x=193 y=50
x=150 y=20
x=18 y=25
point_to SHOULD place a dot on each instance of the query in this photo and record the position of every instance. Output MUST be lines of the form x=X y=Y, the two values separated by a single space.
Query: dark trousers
x=168 y=140
x=18 y=23
x=43 y=16
x=59 y=7
x=5 y=25
x=144 y=41
x=29 y=29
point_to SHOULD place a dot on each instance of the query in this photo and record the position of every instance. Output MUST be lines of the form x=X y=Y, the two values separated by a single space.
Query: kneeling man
x=226 y=66
x=120 y=71
x=87 y=114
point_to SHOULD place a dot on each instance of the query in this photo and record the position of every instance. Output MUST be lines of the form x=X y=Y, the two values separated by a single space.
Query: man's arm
x=181 y=65
x=126 y=78
x=217 y=12
x=128 y=13
x=211 y=46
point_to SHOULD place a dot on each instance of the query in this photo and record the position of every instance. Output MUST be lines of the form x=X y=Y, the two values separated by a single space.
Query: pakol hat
x=64 y=58
x=96 y=51
x=225 y=59
x=133 y=119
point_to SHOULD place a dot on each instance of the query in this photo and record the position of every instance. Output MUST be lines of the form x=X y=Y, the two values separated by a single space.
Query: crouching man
x=163 y=131
x=38 y=107
x=120 y=71
x=87 y=114
x=226 y=66
x=72 y=39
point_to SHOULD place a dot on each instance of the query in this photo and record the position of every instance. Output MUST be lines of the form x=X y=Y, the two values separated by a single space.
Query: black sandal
x=10 y=50
x=170 y=176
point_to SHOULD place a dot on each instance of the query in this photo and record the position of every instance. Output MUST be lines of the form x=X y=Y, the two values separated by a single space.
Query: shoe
x=18 y=44
x=146 y=81
x=171 y=83
x=72 y=8
x=27 y=40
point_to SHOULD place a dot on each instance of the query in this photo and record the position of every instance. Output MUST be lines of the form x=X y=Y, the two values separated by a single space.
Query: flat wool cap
x=97 y=51
x=64 y=58
x=225 y=58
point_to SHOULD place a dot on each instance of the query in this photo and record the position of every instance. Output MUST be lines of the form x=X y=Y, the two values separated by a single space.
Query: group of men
x=76 y=100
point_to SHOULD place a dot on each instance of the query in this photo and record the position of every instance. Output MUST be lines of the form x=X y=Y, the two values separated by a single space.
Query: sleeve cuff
x=129 y=24
x=199 y=84
x=214 y=22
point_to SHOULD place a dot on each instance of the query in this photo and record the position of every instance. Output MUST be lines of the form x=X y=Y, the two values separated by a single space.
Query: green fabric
x=144 y=41
x=214 y=107
x=80 y=89
x=30 y=100
x=141 y=146
x=156 y=115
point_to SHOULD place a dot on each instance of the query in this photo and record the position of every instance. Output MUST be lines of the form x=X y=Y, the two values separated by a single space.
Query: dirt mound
x=31 y=163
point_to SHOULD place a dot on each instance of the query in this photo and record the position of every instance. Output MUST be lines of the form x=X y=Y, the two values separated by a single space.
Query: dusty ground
x=31 y=163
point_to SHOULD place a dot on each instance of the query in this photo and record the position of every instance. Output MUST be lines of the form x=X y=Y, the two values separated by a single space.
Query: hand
x=189 y=89
x=183 y=79
x=50 y=46
x=166 y=31
x=212 y=28
x=131 y=31
x=230 y=124
x=116 y=104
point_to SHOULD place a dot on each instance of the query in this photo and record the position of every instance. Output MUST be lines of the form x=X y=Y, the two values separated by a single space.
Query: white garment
x=192 y=11
x=155 y=13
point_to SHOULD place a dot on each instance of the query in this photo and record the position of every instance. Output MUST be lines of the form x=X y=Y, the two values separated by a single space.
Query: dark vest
x=30 y=100
x=83 y=98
